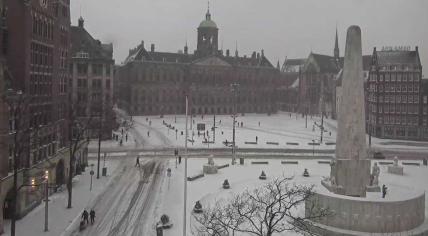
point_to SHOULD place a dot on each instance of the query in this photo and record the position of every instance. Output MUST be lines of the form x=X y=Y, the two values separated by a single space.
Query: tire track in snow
x=164 y=139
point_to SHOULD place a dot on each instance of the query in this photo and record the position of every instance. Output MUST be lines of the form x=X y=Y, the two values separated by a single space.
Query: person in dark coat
x=384 y=189
x=92 y=214
x=179 y=159
x=138 y=161
x=85 y=216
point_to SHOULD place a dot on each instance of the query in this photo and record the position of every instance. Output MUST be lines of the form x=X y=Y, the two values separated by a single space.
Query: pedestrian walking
x=259 y=123
x=148 y=133
x=179 y=159
x=384 y=189
x=85 y=216
x=138 y=161
x=257 y=139
x=126 y=137
x=92 y=215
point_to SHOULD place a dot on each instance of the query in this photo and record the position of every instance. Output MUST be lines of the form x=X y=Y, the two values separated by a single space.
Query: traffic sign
x=201 y=126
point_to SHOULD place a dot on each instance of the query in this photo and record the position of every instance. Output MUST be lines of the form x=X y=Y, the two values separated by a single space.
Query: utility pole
x=46 y=200
x=234 y=90
x=99 y=140
x=185 y=174
x=322 y=126
x=306 y=123
x=214 y=130
x=99 y=153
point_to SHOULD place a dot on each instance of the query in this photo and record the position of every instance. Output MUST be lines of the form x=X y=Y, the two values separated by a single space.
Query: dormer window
x=82 y=54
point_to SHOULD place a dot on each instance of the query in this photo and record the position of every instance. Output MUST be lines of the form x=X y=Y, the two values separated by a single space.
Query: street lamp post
x=46 y=200
x=234 y=88
x=185 y=172
x=92 y=174
x=313 y=147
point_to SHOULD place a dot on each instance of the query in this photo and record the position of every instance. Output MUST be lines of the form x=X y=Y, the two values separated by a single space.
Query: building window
x=82 y=69
x=82 y=83
x=96 y=84
x=97 y=69
x=108 y=70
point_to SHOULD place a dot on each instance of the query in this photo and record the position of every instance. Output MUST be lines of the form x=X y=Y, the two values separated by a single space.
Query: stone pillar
x=351 y=139
x=352 y=173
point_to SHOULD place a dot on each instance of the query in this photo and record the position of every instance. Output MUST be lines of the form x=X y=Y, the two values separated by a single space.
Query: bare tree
x=20 y=132
x=77 y=138
x=277 y=206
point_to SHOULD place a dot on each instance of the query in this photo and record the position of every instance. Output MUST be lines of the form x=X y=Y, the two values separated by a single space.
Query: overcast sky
x=283 y=28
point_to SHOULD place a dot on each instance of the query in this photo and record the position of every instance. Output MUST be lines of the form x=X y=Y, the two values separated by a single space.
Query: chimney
x=81 y=22
x=152 y=47
x=142 y=43
x=263 y=53
x=227 y=53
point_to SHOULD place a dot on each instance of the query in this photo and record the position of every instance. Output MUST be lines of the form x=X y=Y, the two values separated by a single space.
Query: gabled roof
x=397 y=57
x=295 y=62
x=140 y=53
x=325 y=63
x=82 y=41
x=211 y=61
x=248 y=61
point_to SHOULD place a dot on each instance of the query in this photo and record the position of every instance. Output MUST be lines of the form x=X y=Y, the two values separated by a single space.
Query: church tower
x=336 y=49
x=207 y=37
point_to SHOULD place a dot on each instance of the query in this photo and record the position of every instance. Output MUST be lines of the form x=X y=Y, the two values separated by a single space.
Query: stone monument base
x=210 y=169
x=397 y=170
x=352 y=177
x=368 y=215
x=373 y=188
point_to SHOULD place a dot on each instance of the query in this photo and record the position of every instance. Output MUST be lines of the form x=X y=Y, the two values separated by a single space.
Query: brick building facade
x=35 y=44
x=153 y=83
x=394 y=89
x=92 y=68
x=288 y=89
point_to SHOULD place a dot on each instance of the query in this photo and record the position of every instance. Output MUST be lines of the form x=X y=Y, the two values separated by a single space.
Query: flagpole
x=185 y=173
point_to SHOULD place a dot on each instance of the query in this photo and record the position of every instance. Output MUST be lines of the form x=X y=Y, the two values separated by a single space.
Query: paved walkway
x=59 y=216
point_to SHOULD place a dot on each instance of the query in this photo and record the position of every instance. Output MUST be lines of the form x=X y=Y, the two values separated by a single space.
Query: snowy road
x=127 y=207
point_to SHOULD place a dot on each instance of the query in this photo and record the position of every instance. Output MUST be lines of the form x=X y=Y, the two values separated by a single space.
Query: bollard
x=159 y=230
